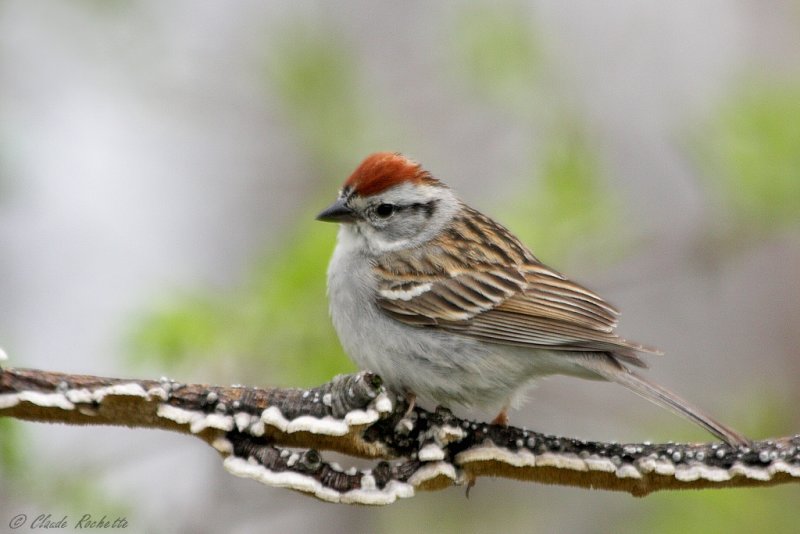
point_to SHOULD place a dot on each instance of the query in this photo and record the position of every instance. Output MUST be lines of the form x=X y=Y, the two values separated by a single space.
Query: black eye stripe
x=428 y=207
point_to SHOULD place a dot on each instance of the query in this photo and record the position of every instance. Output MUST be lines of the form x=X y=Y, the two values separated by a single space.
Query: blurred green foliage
x=188 y=324
x=12 y=457
x=563 y=200
x=567 y=203
x=752 y=149
x=276 y=323
x=496 y=50
x=718 y=511
x=52 y=487
x=315 y=78
x=80 y=495
x=314 y=72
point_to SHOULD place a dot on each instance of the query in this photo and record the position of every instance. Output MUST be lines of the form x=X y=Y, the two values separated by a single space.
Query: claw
x=471 y=484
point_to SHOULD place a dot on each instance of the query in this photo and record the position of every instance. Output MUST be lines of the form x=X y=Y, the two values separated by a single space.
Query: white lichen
x=8 y=400
x=243 y=420
x=485 y=453
x=305 y=423
x=368 y=482
x=78 y=396
x=628 y=471
x=430 y=471
x=599 y=463
x=755 y=473
x=223 y=445
x=212 y=420
x=307 y=484
x=45 y=400
x=431 y=453
x=197 y=421
x=131 y=389
x=383 y=404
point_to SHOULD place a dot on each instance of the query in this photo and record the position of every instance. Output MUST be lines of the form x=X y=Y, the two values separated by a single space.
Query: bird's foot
x=502 y=417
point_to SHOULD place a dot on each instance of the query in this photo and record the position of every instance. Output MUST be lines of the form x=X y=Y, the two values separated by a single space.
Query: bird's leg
x=406 y=423
x=411 y=400
x=502 y=417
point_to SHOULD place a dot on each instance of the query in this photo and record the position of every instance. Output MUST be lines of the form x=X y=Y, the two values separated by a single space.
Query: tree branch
x=273 y=435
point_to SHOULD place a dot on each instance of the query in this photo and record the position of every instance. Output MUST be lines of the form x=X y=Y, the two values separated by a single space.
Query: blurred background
x=161 y=164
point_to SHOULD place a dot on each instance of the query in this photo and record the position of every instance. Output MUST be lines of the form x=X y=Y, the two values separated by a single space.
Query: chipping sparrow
x=445 y=303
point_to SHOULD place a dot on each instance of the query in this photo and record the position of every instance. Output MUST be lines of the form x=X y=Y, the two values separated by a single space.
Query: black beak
x=337 y=212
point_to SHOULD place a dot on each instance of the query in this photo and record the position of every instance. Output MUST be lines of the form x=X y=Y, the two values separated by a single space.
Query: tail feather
x=667 y=399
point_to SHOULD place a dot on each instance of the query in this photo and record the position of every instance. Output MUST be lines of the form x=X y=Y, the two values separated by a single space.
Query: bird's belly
x=440 y=367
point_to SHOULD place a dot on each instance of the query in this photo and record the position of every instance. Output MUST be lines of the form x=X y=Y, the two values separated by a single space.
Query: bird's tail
x=663 y=397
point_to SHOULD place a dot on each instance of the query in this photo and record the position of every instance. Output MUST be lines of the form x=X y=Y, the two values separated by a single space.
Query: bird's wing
x=492 y=288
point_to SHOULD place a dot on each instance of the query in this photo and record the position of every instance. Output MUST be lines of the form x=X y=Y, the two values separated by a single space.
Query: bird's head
x=392 y=203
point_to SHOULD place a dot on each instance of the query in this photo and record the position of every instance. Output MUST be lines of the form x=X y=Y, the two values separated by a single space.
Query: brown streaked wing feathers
x=492 y=288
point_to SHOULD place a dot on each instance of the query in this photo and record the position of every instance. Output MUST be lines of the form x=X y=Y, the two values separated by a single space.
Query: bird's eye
x=384 y=210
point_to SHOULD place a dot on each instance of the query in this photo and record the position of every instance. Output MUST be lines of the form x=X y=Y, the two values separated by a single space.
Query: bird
x=449 y=307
